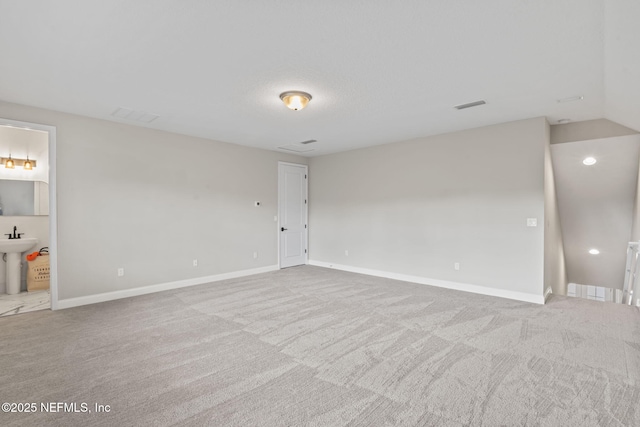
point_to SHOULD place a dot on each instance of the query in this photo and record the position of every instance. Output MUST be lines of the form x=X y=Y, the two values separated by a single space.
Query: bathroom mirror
x=23 y=198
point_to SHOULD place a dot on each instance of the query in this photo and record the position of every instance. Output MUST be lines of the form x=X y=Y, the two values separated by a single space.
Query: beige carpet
x=309 y=346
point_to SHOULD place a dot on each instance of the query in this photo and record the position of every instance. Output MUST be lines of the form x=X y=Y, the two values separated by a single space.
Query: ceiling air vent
x=296 y=148
x=469 y=105
x=136 y=116
x=310 y=141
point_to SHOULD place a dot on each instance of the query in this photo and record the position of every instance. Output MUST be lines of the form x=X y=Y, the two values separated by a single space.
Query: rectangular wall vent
x=469 y=105
x=310 y=141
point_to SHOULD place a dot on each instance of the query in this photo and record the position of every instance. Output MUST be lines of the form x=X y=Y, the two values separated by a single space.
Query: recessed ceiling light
x=571 y=99
x=295 y=100
x=589 y=161
x=563 y=121
x=594 y=251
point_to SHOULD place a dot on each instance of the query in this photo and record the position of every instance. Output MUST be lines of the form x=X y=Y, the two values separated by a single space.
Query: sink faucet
x=15 y=234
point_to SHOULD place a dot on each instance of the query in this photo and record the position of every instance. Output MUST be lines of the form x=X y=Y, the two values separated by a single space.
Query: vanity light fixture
x=11 y=163
x=295 y=100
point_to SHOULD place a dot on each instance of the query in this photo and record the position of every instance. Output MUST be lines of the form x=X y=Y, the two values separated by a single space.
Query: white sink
x=17 y=245
x=14 y=249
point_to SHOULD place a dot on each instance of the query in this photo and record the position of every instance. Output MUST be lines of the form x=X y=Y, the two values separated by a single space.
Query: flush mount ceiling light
x=563 y=121
x=295 y=100
x=589 y=161
x=594 y=251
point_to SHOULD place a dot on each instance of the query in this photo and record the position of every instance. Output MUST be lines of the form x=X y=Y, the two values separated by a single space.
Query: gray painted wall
x=152 y=201
x=417 y=207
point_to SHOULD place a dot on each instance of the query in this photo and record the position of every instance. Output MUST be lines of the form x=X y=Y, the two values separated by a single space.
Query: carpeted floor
x=308 y=346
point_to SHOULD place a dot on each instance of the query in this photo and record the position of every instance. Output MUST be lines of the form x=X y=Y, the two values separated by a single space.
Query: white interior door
x=292 y=212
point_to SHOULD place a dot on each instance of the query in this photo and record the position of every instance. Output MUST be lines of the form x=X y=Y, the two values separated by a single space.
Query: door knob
x=283 y=229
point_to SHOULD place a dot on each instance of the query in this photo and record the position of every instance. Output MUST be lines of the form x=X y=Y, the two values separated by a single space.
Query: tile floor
x=24 y=302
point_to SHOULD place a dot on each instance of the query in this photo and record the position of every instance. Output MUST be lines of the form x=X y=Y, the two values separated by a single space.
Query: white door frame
x=306 y=219
x=53 y=216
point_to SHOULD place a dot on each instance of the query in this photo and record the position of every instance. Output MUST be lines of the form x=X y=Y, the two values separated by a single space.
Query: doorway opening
x=597 y=192
x=28 y=216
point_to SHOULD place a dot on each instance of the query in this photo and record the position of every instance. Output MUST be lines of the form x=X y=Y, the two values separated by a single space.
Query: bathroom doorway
x=27 y=211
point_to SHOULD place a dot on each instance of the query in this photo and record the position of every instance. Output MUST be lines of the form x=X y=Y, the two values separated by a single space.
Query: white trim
x=548 y=292
x=280 y=162
x=126 y=293
x=466 y=287
x=53 y=214
x=306 y=182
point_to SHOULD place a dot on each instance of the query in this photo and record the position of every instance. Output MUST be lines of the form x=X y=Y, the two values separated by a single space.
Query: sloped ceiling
x=621 y=64
x=378 y=71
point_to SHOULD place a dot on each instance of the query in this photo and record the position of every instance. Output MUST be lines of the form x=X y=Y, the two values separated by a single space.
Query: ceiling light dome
x=295 y=100
x=589 y=161
x=594 y=251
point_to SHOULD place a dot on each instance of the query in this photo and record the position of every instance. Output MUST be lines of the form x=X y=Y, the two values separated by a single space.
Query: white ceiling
x=379 y=71
x=596 y=206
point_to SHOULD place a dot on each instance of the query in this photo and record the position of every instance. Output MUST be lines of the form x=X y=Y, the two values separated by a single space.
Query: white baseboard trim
x=547 y=292
x=126 y=293
x=466 y=287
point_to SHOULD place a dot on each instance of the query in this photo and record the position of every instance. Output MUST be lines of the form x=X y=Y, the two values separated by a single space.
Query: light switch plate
x=532 y=222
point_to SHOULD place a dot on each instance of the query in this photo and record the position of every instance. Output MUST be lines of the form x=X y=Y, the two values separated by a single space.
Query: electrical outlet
x=195 y=262
x=456 y=266
x=255 y=255
x=346 y=253
x=120 y=272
